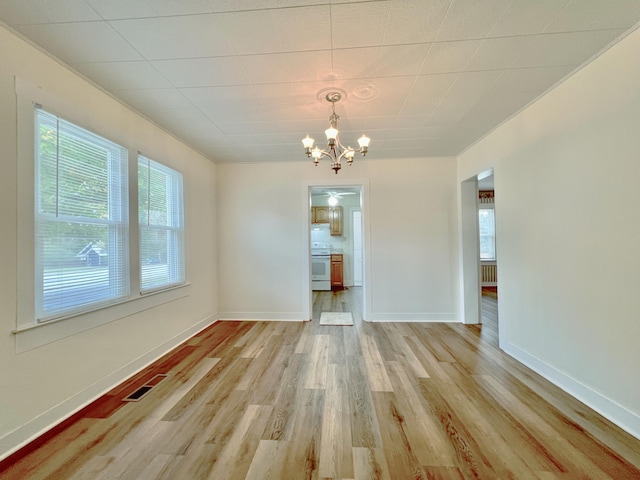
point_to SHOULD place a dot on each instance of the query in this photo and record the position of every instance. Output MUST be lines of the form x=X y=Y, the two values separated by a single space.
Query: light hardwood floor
x=282 y=400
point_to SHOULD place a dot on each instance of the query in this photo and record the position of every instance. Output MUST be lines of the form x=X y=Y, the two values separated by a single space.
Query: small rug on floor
x=336 y=318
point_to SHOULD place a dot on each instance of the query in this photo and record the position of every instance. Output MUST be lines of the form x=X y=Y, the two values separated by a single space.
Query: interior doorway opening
x=336 y=240
x=479 y=252
x=488 y=256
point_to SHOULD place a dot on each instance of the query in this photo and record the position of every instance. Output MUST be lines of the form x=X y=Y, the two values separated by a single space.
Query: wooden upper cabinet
x=320 y=215
x=335 y=220
x=330 y=215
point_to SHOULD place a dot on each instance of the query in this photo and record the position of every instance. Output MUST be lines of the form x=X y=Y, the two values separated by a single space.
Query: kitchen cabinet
x=337 y=271
x=320 y=215
x=335 y=221
x=330 y=215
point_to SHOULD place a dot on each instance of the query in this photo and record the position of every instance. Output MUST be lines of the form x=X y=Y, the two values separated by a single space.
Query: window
x=487 y=229
x=81 y=219
x=160 y=212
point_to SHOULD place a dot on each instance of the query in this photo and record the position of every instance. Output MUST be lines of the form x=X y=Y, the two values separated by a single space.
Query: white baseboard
x=413 y=317
x=44 y=422
x=263 y=316
x=621 y=416
x=375 y=317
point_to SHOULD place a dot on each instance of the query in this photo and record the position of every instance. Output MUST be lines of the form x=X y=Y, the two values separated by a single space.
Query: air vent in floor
x=146 y=388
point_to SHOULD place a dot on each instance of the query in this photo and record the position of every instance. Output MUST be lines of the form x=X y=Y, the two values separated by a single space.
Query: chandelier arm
x=343 y=154
x=343 y=148
x=324 y=153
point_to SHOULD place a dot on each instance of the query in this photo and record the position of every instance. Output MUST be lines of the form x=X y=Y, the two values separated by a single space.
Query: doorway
x=347 y=240
x=479 y=252
x=488 y=257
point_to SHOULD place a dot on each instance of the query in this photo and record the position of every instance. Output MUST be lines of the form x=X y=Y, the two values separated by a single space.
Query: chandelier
x=335 y=150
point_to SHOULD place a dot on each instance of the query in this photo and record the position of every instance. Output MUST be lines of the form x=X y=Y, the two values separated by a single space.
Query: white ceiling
x=239 y=79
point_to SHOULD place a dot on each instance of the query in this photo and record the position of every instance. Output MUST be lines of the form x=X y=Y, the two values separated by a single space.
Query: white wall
x=568 y=232
x=412 y=231
x=40 y=385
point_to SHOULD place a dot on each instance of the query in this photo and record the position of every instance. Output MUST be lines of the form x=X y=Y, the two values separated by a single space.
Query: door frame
x=363 y=185
x=471 y=293
x=352 y=214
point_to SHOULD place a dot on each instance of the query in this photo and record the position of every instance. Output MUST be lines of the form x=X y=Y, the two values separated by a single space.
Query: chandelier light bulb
x=316 y=153
x=363 y=141
x=348 y=154
x=332 y=134
x=307 y=142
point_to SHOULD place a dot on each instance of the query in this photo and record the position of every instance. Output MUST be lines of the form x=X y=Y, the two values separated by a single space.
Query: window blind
x=81 y=218
x=161 y=219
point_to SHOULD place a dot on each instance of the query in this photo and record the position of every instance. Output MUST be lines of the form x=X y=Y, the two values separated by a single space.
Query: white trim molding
x=414 y=317
x=17 y=439
x=614 y=412
x=263 y=316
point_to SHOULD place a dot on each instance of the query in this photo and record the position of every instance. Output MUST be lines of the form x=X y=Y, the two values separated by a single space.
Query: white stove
x=320 y=266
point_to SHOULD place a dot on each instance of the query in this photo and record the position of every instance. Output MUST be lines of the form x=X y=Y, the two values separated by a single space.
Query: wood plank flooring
x=282 y=400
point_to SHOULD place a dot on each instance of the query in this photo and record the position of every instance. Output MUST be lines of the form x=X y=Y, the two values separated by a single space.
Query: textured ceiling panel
x=245 y=80
x=138 y=75
x=81 y=42
x=30 y=12
x=202 y=72
x=524 y=17
x=121 y=9
x=175 y=37
x=466 y=19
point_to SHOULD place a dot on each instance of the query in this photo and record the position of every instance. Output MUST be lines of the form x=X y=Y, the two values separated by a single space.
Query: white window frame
x=170 y=262
x=86 y=293
x=29 y=333
x=492 y=237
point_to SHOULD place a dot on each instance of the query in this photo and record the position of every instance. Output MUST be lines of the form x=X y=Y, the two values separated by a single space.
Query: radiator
x=489 y=273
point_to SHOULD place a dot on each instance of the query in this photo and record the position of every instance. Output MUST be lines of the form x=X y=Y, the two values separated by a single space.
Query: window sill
x=32 y=336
